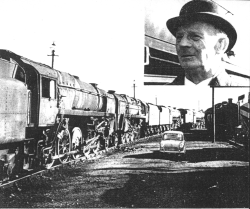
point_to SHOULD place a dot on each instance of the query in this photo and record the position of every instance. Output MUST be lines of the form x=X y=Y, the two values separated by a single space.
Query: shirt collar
x=220 y=79
x=203 y=83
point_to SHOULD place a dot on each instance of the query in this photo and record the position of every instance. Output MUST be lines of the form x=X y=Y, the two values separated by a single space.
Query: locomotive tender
x=47 y=115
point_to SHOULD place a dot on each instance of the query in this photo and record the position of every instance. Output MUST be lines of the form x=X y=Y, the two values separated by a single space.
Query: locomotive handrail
x=85 y=91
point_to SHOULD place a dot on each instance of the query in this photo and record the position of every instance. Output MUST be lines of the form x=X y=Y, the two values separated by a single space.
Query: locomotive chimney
x=224 y=103
x=230 y=101
x=94 y=84
x=111 y=91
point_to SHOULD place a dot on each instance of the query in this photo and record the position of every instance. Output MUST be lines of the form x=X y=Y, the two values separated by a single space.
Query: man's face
x=195 y=45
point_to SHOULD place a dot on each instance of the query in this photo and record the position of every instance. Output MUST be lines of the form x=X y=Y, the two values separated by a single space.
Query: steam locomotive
x=232 y=121
x=48 y=115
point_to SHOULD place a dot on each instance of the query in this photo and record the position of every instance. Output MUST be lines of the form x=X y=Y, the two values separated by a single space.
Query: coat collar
x=222 y=79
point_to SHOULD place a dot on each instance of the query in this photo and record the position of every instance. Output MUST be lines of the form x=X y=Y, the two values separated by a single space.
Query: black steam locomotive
x=231 y=121
x=48 y=115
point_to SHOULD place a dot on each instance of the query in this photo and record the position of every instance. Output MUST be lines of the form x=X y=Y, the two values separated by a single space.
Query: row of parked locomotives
x=232 y=121
x=49 y=116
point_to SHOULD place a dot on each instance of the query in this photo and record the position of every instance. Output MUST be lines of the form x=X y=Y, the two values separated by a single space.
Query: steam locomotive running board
x=84 y=113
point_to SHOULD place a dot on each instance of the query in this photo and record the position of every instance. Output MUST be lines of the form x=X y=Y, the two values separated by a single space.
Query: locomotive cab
x=40 y=81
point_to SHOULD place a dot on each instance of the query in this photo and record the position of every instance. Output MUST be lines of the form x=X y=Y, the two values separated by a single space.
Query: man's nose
x=184 y=41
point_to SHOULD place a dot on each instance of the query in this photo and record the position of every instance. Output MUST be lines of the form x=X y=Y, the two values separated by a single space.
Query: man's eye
x=195 y=37
x=179 y=37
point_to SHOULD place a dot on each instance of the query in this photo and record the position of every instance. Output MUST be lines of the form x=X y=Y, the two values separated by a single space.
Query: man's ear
x=221 y=45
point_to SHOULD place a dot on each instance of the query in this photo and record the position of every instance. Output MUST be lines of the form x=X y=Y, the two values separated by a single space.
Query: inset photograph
x=200 y=43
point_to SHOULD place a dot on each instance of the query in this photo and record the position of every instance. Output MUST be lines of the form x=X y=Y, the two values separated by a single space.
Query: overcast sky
x=101 y=41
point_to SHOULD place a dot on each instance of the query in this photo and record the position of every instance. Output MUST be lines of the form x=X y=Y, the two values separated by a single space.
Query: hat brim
x=219 y=22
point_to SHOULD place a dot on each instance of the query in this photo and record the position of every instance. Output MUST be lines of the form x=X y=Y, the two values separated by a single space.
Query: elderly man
x=202 y=38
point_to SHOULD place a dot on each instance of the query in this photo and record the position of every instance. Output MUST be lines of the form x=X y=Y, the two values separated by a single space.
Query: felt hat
x=204 y=11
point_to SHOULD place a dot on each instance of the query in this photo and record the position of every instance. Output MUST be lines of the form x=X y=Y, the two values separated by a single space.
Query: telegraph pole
x=134 y=88
x=214 y=111
x=53 y=54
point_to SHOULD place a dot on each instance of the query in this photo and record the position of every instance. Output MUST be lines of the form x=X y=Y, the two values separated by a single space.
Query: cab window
x=48 y=88
x=7 y=69
x=20 y=74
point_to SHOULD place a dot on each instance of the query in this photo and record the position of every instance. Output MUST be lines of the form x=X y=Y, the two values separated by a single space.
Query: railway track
x=29 y=174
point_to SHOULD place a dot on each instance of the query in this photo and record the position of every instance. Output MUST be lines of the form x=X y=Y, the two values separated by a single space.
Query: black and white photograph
x=124 y=104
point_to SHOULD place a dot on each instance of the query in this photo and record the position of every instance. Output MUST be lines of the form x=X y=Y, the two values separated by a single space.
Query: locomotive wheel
x=76 y=142
x=63 y=145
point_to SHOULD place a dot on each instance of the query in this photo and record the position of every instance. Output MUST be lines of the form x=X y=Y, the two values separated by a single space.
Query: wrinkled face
x=195 y=45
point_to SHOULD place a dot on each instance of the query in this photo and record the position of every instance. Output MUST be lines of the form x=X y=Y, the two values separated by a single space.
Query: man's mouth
x=187 y=55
